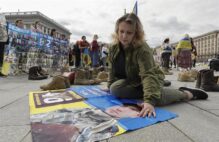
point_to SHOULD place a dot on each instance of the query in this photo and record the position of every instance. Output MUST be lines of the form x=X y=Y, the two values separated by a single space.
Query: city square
x=197 y=120
x=109 y=71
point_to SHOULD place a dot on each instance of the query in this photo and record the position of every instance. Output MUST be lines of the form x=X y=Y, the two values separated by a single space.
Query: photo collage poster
x=27 y=49
x=85 y=114
x=3 y=30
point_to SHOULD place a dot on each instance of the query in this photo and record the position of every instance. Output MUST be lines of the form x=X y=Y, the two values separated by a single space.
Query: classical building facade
x=207 y=45
x=46 y=23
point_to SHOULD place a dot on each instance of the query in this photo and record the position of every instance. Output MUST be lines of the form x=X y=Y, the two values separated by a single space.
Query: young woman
x=133 y=73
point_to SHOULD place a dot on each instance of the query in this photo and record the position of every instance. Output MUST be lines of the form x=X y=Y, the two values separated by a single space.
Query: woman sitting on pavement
x=133 y=73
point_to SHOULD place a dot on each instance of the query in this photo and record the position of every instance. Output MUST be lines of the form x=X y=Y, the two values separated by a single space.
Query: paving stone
x=197 y=121
x=10 y=92
x=16 y=113
x=27 y=138
x=161 y=132
x=210 y=103
x=8 y=97
x=13 y=133
x=199 y=125
x=215 y=111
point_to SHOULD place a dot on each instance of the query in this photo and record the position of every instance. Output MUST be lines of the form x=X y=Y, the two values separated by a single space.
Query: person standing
x=194 y=53
x=104 y=54
x=77 y=54
x=184 y=49
x=95 y=52
x=174 y=56
x=85 y=57
x=71 y=57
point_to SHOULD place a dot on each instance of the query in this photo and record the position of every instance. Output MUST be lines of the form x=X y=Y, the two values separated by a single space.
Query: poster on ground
x=70 y=116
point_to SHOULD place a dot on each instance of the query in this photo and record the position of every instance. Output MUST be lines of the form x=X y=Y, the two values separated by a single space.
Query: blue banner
x=84 y=114
x=27 y=49
x=124 y=110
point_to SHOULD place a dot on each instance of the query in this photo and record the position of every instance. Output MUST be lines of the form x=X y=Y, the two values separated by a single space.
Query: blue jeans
x=95 y=58
x=122 y=89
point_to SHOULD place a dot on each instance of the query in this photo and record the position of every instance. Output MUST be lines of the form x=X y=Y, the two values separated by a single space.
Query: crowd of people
x=182 y=57
x=94 y=53
x=133 y=73
x=88 y=54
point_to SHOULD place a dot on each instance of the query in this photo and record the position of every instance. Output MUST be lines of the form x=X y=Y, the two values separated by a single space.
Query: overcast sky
x=160 y=18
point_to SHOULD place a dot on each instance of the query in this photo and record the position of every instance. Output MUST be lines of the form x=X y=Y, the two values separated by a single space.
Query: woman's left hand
x=147 y=110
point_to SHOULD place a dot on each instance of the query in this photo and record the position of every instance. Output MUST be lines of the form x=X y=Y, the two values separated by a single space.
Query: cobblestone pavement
x=197 y=121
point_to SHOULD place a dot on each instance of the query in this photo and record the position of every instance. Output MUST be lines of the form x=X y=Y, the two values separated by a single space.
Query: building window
x=27 y=26
x=44 y=30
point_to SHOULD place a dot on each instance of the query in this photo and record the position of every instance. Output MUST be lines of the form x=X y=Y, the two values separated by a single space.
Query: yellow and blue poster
x=85 y=113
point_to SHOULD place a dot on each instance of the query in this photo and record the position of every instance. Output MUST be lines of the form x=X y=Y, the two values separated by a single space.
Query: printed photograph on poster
x=88 y=124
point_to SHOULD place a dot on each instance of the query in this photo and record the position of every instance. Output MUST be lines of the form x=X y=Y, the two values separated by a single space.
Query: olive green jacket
x=140 y=70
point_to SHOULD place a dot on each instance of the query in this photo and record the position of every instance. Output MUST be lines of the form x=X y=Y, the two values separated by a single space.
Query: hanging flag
x=135 y=9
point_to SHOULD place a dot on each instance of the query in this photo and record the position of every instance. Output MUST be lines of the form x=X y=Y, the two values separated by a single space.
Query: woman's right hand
x=147 y=110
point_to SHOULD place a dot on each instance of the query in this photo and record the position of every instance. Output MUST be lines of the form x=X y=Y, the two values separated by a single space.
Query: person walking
x=165 y=56
x=184 y=48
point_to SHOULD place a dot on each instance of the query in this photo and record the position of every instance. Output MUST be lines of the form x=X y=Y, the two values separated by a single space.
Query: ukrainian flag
x=135 y=8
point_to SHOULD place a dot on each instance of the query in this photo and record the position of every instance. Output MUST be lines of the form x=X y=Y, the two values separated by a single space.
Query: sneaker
x=198 y=94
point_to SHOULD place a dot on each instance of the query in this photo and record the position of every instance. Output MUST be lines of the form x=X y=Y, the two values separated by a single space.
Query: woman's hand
x=147 y=110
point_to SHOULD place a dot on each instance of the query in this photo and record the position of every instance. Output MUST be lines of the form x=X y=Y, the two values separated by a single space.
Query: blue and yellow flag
x=135 y=9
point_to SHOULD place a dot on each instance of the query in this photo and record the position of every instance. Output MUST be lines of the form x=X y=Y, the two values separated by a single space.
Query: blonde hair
x=133 y=20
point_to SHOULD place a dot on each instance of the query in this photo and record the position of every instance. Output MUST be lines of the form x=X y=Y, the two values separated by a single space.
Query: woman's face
x=126 y=33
